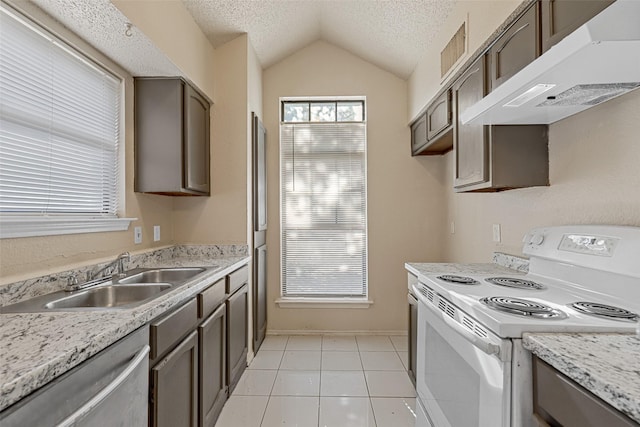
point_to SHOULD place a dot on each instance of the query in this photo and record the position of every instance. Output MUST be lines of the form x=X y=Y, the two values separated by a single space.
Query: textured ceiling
x=391 y=34
x=103 y=26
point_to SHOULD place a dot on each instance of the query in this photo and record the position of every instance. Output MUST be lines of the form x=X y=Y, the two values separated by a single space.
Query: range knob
x=537 y=239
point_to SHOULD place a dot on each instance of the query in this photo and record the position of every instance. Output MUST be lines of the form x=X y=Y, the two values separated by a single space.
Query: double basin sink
x=136 y=288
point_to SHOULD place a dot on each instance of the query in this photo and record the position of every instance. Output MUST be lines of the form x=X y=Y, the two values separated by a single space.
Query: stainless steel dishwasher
x=109 y=389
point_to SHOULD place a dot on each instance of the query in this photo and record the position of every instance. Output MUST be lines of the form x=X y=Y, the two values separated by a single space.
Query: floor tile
x=304 y=342
x=346 y=412
x=343 y=383
x=381 y=361
x=339 y=343
x=266 y=359
x=400 y=342
x=291 y=411
x=274 y=342
x=255 y=383
x=301 y=360
x=404 y=358
x=341 y=361
x=297 y=383
x=374 y=343
x=394 y=412
x=389 y=384
x=245 y=411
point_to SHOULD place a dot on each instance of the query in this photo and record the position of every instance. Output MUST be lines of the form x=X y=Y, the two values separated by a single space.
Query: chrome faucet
x=115 y=269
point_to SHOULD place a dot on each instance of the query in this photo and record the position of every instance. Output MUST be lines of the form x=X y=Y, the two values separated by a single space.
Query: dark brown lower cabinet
x=237 y=307
x=174 y=386
x=213 y=385
x=412 y=337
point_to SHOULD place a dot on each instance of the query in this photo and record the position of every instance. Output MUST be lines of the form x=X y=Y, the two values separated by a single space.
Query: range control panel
x=588 y=244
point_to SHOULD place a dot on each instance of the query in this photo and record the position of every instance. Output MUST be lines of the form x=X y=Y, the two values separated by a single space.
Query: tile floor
x=324 y=381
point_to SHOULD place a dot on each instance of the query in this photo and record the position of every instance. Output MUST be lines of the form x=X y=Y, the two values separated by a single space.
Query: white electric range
x=472 y=370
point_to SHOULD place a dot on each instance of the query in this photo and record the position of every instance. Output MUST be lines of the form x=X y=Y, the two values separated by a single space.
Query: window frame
x=26 y=224
x=327 y=301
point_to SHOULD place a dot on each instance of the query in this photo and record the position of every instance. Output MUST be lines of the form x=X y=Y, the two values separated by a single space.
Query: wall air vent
x=454 y=50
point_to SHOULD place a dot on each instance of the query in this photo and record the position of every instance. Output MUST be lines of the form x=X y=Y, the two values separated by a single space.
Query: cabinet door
x=516 y=48
x=259 y=296
x=196 y=142
x=418 y=134
x=561 y=17
x=439 y=115
x=213 y=385
x=174 y=386
x=259 y=175
x=237 y=306
x=470 y=140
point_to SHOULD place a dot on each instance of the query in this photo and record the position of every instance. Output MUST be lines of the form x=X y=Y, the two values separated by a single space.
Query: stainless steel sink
x=162 y=275
x=110 y=296
x=138 y=287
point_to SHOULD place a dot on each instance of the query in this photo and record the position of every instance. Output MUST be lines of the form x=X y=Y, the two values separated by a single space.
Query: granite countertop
x=502 y=264
x=38 y=347
x=608 y=365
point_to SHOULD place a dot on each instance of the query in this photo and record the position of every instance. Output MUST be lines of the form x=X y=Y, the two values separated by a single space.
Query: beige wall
x=483 y=17
x=403 y=223
x=593 y=161
x=22 y=258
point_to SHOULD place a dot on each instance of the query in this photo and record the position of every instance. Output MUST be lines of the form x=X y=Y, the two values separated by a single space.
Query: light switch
x=496 y=233
x=156 y=233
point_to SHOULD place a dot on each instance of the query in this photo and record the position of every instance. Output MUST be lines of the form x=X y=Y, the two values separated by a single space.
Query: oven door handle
x=486 y=346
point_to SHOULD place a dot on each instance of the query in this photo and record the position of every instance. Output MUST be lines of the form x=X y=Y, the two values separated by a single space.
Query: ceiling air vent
x=453 y=51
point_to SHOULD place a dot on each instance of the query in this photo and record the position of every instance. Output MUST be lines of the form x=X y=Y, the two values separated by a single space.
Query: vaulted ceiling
x=390 y=34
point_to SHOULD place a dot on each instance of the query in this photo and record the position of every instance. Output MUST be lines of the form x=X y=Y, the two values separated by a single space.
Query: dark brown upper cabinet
x=561 y=17
x=172 y=133
x=432 y=132
x=494 y=158
x=517 y=47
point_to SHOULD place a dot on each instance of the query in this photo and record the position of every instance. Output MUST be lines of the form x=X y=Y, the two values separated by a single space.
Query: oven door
x=463 y=377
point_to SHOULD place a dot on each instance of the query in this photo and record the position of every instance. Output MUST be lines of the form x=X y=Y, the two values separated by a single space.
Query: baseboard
x=331 y=332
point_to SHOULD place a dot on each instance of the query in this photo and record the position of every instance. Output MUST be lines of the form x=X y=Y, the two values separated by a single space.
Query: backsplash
x=511 y=261
x=18 y=291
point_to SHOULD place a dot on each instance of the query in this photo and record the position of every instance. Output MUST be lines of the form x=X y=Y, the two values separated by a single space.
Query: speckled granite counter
x=502 y=264
x=608 y=365
x=37 y=347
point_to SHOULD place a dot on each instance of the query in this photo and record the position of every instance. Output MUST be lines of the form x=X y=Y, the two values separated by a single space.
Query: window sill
x=323 y=303
x=25 y=226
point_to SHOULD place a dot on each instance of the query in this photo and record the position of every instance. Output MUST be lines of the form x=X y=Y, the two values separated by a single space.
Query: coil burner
x=523 y=307
x=458 y=280
x=513 y=282
x=605 y=311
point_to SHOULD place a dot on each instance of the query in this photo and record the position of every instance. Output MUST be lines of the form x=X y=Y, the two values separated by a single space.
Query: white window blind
x=59 y=126
x=324 y=209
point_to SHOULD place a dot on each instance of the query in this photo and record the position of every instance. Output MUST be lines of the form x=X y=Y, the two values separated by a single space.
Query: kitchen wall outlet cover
x=453 y=227
x=156 y=233
x=496 y=233
x=137 y=235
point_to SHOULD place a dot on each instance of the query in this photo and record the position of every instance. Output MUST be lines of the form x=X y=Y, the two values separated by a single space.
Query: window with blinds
x=59 y=126
x=323 y=200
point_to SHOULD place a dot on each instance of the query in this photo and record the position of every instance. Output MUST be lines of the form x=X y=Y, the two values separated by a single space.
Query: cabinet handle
x=506 y=42
x=105 y=392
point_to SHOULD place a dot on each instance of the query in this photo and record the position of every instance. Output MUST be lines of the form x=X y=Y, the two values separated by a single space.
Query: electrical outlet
x=137 y=235
x=156 y=233
x=453 y=227
x=496 y=233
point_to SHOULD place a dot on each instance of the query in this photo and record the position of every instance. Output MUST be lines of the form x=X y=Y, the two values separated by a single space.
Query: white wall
x=403 y=222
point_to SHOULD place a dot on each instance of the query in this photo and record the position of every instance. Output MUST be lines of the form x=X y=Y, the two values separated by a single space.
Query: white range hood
x=598 y=61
